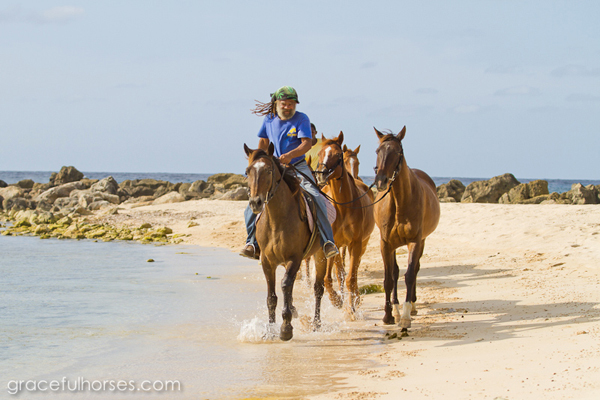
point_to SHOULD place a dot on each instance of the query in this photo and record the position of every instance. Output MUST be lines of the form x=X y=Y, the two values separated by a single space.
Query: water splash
x=258 y=331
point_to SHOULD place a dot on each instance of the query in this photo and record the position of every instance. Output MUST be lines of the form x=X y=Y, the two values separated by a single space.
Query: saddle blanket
x=331 y=214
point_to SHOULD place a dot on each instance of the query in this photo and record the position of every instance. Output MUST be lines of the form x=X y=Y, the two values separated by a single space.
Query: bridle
x=271 y=191
x=400 y=159
x=329 y=171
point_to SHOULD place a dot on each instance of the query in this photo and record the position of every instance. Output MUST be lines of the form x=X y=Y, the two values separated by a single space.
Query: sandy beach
x=508 y=308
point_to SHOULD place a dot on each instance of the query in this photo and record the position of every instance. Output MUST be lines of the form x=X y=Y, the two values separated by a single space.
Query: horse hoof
x=316 y=326
x=404 y=323
x=286 y=333
x=389 y=320
x=405 y=331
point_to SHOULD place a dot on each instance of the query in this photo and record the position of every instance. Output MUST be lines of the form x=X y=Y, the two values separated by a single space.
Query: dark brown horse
x=405 y=216
x=354 y=222
x=282 y=232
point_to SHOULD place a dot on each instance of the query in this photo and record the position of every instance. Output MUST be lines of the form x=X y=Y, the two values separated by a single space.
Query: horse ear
x=248 y=150
x=357 y=149
x=309 y=159
x=379 y=134
x=322 y=137
x=402 y=133
x=345 y=148
x=340 y=138
x=271 y=149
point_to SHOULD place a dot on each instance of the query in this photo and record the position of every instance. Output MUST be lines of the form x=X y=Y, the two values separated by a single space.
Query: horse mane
x=289 y=177
x=388 y=136
x=327 y=142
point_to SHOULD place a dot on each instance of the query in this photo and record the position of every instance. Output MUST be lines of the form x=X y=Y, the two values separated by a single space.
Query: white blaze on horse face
x=353 y=167
x=327 y=153
x=258 y=165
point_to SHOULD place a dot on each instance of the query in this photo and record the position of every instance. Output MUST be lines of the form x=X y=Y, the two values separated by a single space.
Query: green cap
x=285 y=93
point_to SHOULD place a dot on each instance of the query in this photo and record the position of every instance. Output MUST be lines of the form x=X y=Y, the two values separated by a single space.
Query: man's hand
x=285 y=158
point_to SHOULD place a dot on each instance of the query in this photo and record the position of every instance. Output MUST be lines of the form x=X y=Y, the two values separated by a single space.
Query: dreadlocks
x=262 y=109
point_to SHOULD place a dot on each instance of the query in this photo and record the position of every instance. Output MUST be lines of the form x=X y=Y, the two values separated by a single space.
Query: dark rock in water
x=25 y=184
x=65 y=175
x=453 y=189
x=3 y=184
x=489 y=191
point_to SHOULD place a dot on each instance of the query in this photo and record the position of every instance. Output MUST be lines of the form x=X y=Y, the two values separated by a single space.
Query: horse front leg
x=320 y=270
x=287 y=288
x=415 y=250
x=388 y=255
x=335 y=298
x=269 y=272
x=355 y=250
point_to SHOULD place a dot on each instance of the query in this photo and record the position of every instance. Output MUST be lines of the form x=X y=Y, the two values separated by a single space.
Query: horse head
x=351 y=160
x=331 y=160
x=261 y=172
x=390 y=157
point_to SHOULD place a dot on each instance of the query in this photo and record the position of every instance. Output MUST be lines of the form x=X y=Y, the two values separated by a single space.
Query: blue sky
x=484 y=87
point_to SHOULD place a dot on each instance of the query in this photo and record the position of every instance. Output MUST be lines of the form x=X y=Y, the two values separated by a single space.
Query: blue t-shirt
x=286 y=135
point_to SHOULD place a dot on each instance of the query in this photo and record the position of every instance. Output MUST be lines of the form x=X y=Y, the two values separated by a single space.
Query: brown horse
x=354 y=222
x=282 y=232
x=405 y=216
x=351 y=161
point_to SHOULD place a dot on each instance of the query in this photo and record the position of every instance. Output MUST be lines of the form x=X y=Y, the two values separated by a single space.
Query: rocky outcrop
x=489 y=191
x=580 y=194
x=451 y=192
x=106 y=185
x=65 y=175
x=146 y=187
x=171 y=197
x=25 y=184
x=3 y=184
x=241 y=193
x=50 y=195
x=523 y=192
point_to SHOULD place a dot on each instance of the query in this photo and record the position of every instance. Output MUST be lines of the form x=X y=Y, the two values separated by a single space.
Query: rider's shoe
x=249 y=251
x=330 y=250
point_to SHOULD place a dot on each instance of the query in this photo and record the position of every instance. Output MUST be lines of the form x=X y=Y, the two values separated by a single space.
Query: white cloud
x=518 y=91
x=501 y=69
x=56 y=15
x=59 y=14
x=426 y=90
x=466 y=109
x=575 y=70
x=583 y=97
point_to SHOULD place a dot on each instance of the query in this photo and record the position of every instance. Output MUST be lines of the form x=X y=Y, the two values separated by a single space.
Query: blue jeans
x=323 y=224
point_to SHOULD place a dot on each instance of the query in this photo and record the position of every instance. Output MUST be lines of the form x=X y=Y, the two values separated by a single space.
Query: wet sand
x=509 y=301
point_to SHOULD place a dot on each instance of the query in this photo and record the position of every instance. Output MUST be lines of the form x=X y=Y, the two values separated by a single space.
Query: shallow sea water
x=100 y=311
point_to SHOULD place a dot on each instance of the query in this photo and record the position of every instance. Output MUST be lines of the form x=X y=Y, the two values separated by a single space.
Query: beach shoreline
x=508 y=300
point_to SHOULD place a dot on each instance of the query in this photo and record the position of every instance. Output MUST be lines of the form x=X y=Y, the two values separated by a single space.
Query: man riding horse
x=290 y=132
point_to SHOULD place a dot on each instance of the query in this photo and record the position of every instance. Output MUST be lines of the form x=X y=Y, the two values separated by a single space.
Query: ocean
x=554 y=185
